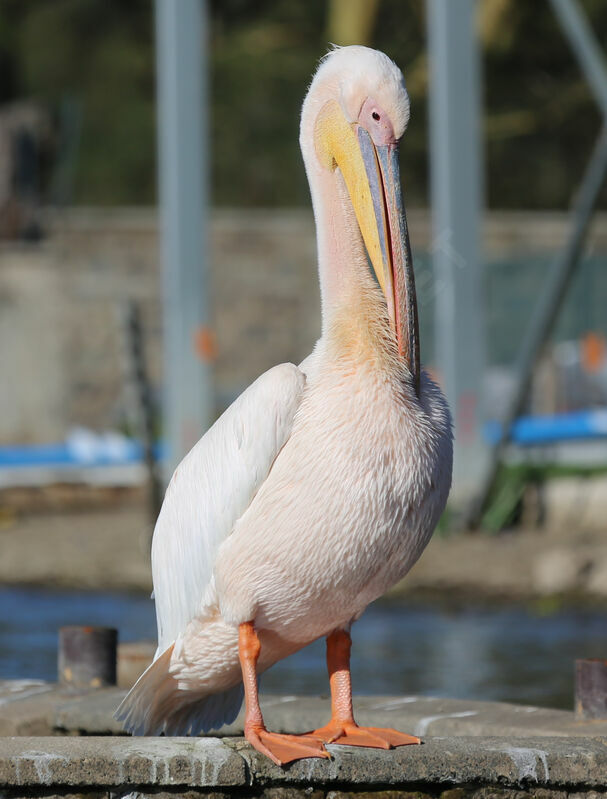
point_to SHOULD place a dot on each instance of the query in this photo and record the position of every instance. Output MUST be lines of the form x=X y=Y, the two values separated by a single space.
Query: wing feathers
x=211 y=489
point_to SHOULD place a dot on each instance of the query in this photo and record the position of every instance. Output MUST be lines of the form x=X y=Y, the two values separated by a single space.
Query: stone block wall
x=62 y=345
x=63 y=350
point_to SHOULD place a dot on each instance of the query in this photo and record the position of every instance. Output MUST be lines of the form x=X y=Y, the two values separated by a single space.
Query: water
x=505 y=653
x=30 y=618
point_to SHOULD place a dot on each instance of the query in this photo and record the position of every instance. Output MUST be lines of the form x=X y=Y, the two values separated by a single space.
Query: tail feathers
x=156 y=705
x=207 y=713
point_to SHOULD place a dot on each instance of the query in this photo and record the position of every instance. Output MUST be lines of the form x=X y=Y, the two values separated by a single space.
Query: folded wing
x=211 y=489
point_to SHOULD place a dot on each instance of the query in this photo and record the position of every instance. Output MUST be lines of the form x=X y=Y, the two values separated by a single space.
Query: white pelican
x=320 y=486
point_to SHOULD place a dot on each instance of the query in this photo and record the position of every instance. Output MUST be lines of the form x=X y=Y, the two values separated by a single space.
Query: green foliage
x=503 y=505
x=540 y=118
x=101 y=53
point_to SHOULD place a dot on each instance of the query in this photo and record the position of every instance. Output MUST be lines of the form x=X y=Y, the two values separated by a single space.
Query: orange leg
x=279 y=748
x=342 y=729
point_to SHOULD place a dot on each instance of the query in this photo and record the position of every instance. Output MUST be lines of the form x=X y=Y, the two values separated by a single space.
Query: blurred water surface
x=477 y=652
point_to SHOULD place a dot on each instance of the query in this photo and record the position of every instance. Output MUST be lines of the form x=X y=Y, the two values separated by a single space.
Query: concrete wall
x=62 y=347
x=62 y=350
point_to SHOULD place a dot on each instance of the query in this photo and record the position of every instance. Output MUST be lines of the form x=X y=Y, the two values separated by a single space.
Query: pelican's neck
x=342 y=261
x=355 y=322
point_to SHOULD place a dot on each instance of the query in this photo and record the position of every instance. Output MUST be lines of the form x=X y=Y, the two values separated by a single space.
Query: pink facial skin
x=377 y=123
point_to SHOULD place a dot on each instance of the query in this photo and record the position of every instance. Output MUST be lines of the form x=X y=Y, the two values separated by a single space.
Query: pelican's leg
x=279 y=748
x=342 y=729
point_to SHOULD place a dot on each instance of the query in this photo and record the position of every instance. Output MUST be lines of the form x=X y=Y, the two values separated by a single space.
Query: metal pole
x=139 y=377
x=183 y=193
x=87 y=657
x=544 y=319
x=590 y=689
x=456 y=183
x=586 y=48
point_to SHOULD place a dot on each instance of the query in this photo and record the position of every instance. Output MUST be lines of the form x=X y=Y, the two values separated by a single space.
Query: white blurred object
x=88 y=447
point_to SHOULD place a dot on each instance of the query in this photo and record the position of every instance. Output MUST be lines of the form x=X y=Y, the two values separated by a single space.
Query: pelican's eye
x=375 y=116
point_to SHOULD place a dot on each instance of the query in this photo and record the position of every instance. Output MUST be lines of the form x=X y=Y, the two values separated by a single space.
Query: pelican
x=320 y=486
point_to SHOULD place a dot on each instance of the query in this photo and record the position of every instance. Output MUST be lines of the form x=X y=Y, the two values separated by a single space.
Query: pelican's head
x=353 y=118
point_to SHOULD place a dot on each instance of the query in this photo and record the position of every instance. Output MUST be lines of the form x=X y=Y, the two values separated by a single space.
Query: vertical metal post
x=456 y=189
x=183 y=194
x=87 y=657
x=139 y=377
x=585 y=46
x=591 y=689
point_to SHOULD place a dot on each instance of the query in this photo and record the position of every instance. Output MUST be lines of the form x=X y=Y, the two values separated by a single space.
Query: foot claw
x=282 y=749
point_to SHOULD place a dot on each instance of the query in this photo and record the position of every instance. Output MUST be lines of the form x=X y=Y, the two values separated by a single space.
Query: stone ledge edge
x=171 y=763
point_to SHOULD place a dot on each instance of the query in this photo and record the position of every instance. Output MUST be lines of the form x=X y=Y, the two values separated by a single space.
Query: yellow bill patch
x=337 y=145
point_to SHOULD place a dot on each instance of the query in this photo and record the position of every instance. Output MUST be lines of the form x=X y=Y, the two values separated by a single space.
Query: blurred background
x=508 y=231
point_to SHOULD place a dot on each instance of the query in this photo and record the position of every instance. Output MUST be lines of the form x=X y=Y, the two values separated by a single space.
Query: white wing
x=211 y=488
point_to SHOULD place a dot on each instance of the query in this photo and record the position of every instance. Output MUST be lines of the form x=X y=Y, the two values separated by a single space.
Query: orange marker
x=205 y=344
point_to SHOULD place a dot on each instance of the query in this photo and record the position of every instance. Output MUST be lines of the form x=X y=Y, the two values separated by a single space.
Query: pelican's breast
x=346 y=510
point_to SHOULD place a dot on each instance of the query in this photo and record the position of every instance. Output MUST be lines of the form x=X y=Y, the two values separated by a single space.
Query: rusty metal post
x=87 y=656
x=591 y=689
x=133 y=660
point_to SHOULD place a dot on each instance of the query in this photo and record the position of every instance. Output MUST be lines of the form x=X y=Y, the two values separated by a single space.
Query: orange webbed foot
x=283 y=749
x=350 y=734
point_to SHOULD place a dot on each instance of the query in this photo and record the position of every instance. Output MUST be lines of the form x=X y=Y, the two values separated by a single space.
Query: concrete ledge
x=488 y=749
x=31 y=707
x=176 y=765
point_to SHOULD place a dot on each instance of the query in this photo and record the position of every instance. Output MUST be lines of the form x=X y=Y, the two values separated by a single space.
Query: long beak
x=395 y=270
x=372 y=177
